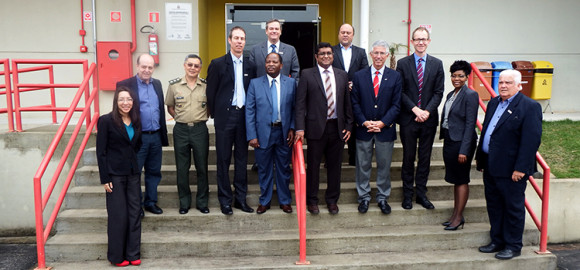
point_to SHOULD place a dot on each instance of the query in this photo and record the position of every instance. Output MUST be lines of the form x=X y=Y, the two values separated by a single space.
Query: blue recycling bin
x=498 y=67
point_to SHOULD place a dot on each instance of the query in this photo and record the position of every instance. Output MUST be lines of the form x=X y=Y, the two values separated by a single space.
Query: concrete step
x=94 y=220
x=459 y=259
x=90 y=157
x=333 y=240
x=89 y=175
x=439 y=190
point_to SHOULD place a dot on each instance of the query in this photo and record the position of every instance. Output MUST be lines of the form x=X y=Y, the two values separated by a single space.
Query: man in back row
x=150 y=104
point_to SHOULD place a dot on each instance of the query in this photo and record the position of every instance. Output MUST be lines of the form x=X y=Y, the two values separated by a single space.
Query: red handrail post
x=8 y=92
x=300 y=194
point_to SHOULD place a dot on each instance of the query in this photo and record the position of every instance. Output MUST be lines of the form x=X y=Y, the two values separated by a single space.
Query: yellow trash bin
x=544 y=71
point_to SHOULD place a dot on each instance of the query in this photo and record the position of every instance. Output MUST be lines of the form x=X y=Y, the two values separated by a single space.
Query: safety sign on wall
x=115 y=16
x=179 y=23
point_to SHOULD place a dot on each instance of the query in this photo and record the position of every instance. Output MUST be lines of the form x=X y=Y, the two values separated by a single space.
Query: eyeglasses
x=379 y=53
x=193 y=65
x=325 y=54
x=458 y=76
x=419 y=40
x=122 y=100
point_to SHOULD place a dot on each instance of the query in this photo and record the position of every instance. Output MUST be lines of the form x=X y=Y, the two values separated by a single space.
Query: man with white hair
x=506 y=154
x=376 y=97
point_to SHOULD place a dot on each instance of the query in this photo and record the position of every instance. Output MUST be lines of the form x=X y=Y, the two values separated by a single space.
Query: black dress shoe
x=407 y=203
x=183 y=211
x=490 y=248
x=255 y=167
x=154 y=209
x=226 y=209
x=243 y=206
x=385 y=207
x=425 y=203
x=333 y=208
x=203 y=210
x=507 y=254
x=363 y=207
x=313 y=209
x=142 y=214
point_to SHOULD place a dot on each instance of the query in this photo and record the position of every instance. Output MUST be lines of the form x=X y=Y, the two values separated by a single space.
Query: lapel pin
x=509 y=111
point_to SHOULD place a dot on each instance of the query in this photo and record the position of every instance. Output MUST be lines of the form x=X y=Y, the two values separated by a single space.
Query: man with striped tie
x=421 y=95
x=324 y=117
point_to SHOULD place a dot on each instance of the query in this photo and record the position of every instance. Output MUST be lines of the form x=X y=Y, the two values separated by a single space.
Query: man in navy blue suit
x=506 y=154
x=376 y=95
x=270 y=130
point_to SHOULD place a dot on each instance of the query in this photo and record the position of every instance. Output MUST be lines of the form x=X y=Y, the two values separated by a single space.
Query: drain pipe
x=364 y=24
x=95 y=31
x=133 y=28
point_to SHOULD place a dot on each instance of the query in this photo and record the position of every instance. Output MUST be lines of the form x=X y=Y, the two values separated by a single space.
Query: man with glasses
x=376 y=97
x=421 y=95
x=149 y=101
x=324 y=117
x=187 y=103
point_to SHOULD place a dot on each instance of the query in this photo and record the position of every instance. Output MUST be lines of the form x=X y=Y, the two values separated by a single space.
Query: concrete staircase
x=405 y=239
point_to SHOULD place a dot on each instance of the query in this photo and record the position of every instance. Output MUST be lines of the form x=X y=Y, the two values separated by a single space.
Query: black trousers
x=505 y=201
x=331 y=146
x=233 y=134
x=124 y=219
x=424 y=135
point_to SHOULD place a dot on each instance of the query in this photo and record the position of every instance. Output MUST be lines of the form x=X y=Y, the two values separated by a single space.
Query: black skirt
x=455 y=172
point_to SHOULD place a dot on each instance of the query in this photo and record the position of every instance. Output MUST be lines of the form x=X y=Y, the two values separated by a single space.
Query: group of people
x=265 y=101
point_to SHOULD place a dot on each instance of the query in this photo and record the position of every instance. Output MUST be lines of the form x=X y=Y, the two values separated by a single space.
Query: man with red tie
x=376 y=95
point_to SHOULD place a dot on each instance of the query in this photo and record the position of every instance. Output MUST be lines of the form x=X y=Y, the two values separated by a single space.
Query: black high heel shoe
x=451 y=228
x=447 y=223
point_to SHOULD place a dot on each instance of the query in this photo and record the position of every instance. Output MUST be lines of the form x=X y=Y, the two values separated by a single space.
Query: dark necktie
x=273 y=46
x=420 y=80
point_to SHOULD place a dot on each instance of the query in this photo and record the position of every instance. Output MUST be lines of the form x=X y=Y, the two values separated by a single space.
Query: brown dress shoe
x=313 y=209
x=286 y=208
x=262 y=209
x=333 y=208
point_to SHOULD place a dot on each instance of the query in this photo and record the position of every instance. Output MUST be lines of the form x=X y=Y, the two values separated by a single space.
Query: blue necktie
x=274 y=101
x=273 y=46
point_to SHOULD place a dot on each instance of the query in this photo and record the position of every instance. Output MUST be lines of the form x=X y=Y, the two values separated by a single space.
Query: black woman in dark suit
x=118 y=141
x=460 y=139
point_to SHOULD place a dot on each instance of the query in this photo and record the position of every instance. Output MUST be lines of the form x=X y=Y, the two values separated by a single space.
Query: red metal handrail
x=40 y=201
x=544 y=193
x=8 y=92
x=300 y=194
x=21 y=87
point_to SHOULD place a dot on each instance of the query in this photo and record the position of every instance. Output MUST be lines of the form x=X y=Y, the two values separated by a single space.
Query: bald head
x=145 y=67
x=346 y=34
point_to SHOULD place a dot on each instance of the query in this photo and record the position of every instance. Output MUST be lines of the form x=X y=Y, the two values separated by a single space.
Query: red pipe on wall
x=409 y=30
x=133 y=28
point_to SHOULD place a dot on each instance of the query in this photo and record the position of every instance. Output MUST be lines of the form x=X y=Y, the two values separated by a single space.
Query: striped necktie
x=329 y=95
x=420 y=80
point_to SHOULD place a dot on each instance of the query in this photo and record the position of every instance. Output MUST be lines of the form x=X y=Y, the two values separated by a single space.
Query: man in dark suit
x=324 y=116
x=228 y=77
x=506 y=154
x=421 y=95
x=290 y=65
x=270 y=130
x=150 y=103
x=351 y=59
x=376 y=98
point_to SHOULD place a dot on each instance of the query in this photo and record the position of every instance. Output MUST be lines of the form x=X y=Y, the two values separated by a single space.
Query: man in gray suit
x=290 y=66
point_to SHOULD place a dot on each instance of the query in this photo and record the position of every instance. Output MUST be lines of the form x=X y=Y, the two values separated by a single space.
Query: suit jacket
x=311 y=105
x=220 y=86
x=462 y=118
x=116 y=154
x=358 y=60
x=259 y=108
x=515 y=139
x=290 y=65
x=131 y=83
x=385 y=107
x=431 y=95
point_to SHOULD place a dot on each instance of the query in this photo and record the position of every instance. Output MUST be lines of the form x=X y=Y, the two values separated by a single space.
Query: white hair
x=381 y=43
x=515 y=74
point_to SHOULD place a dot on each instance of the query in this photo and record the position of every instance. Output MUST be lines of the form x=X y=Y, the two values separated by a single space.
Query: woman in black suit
x=118 y=141
x=458 y=132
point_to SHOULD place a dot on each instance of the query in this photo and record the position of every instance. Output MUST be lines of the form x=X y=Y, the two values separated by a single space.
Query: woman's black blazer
x=116 y=154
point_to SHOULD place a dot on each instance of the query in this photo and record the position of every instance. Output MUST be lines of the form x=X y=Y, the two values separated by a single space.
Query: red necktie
x=376 y=83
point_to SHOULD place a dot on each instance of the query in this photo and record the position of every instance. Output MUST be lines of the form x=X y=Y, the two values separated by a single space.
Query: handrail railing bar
x=55 y=142
x=52 y=92
x=36 y=68
x=8 y=92
x=535 y=185
x=71 y=173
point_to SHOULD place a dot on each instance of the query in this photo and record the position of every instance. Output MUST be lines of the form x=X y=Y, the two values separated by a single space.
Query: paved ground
x=22 y=255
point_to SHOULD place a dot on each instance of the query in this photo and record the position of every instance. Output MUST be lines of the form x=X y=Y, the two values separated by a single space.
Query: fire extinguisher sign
x=153 y=17
x=115 y=16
